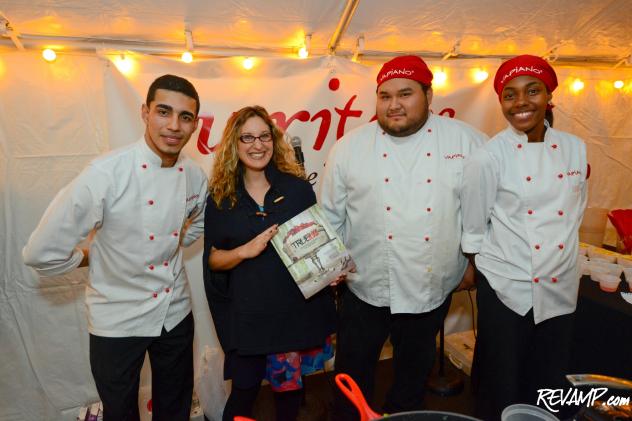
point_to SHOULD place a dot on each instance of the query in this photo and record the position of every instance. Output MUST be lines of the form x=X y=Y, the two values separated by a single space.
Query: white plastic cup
x=608 y=258
x=596 y=270
x=608 y=283
x=612 y=268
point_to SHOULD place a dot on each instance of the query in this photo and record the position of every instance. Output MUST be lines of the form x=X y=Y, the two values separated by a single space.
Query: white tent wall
x=54 y=118
x=52 y=123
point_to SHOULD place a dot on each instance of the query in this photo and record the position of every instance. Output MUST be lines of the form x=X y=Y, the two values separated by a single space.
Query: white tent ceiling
x=596 y=32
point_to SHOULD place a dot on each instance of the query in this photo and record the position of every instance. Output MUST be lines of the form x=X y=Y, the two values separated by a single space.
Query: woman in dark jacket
x=266 y=327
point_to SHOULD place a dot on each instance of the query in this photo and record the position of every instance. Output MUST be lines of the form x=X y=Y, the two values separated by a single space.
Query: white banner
x=317 y=100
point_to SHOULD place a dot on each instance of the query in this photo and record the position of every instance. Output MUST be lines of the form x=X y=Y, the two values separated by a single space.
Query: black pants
x=362 y=331
x=514 y=357
x=116 y=364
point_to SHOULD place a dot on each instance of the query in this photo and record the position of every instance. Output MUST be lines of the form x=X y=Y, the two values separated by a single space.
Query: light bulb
x=187 y=57
x=124 y=64
x=577 y=85
x=480 y=76
x=303 y=53
x=440 y=78
x=49 y=55
x=248 y=63
x=618 y=84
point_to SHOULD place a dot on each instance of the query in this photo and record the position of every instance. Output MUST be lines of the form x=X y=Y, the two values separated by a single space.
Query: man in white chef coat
x=391 y=189
x=142 y=203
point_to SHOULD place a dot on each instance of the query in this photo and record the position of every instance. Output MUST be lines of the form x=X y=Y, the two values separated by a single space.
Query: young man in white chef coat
x=391 y=189
x=143 y=201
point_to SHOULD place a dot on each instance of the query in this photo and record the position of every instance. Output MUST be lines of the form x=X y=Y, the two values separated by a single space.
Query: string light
x=577 y=85
x=248 y=63
x=187 y=57
x=124 y=64
x=440 y=78
x=480 y=75
x=49 y=55
x=359 y=49
x=303 y=52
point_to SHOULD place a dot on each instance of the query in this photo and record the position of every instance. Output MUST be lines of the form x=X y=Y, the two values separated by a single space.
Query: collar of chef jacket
x=152 y=157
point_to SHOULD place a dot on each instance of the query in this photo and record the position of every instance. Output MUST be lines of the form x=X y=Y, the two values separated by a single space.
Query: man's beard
x=405 y=130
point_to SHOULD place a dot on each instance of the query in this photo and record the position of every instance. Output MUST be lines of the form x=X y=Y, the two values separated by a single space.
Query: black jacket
x=257 y=307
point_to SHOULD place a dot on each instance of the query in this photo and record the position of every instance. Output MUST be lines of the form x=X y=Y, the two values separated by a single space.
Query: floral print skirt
x=284 y=371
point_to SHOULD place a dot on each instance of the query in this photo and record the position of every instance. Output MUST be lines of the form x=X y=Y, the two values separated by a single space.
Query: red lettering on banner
x=344 y=114
x=279 y=118
x=325 y=116
x=203 y=137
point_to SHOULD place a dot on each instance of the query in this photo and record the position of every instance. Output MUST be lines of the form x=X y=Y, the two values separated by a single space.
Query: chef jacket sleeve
x=478 y=194
x=333 y=190
x=196 y=228
x=76 y=210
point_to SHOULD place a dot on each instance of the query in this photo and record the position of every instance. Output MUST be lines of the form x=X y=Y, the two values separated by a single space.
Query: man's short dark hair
x=173 y=83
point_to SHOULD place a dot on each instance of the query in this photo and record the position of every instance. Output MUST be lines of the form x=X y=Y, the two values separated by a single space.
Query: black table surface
x=602 y=336
x=589 y=290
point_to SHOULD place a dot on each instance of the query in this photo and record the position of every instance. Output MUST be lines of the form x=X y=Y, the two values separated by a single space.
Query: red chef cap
x=525 y=65
x=406 y=67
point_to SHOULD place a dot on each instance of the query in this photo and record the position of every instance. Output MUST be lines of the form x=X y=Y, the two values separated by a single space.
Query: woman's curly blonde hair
x=228 y=168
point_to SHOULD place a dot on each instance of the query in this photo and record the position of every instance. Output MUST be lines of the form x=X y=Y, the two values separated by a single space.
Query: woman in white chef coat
x=523 y=198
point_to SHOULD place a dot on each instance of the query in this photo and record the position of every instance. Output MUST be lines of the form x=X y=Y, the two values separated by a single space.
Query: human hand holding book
x=312 y=251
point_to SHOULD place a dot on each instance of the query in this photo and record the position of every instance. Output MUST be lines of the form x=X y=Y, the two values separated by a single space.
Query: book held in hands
x=312 y=250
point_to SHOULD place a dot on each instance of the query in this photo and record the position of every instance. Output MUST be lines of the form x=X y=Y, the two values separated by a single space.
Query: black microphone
x=295 y=141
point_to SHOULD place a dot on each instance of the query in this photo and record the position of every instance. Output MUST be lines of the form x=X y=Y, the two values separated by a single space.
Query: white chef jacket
x=522 y=207
x=402 y=226
x=137 y=279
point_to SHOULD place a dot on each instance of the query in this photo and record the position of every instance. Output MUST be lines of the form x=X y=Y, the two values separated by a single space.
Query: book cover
x=311 y=250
